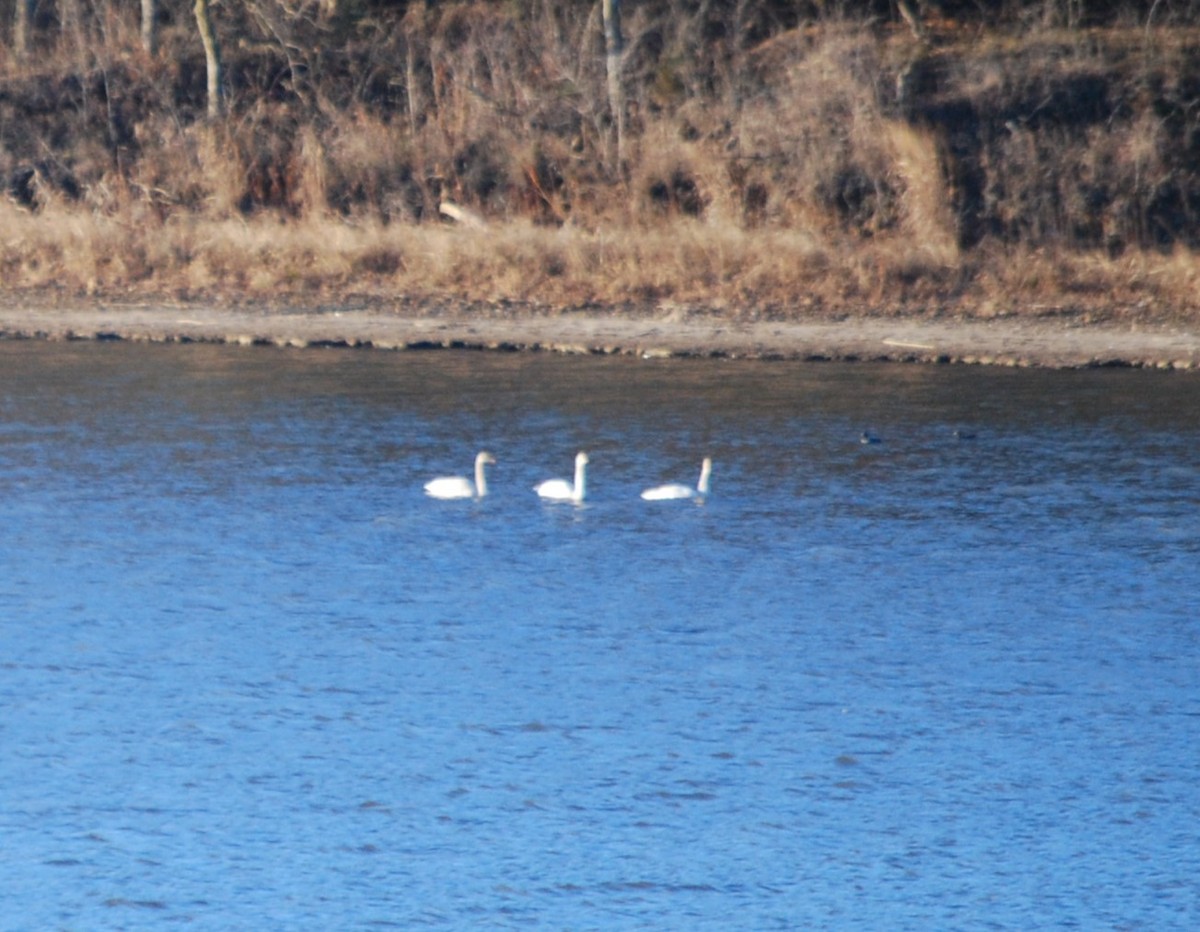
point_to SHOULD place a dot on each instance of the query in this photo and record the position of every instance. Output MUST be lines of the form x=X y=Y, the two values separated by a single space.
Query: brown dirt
x=1054 y=342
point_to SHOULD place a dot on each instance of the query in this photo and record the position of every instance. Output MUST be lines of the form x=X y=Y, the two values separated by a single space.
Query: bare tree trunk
x=410 y=85
x=150 y=26
x=22 y=19
x=613 y=47
x=70 y=26
x=912 y=15
x=212 y=58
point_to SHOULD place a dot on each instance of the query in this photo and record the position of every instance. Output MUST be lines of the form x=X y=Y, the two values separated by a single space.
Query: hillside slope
x=771 y=165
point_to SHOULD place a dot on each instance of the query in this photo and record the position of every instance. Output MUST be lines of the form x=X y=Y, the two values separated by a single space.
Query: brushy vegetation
x=781 y=158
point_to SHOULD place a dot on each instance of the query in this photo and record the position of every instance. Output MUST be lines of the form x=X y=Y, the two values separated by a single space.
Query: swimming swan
x=676 y=490
x=559 y=490
x=460 y=486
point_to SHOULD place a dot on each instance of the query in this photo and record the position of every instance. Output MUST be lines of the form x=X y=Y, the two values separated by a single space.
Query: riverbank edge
x=1060 y=343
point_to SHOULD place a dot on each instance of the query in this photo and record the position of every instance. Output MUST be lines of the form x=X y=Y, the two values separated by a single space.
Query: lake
x=252 y=677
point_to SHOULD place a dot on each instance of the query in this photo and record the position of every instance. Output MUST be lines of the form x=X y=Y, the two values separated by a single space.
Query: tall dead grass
x=683 y=264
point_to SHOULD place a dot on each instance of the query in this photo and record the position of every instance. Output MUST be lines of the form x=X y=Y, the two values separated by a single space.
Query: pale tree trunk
x=22 y=19
x=149 y=26
x=912 y=15
x=212 y=58
x=410 y=85
x=70 y=22
x=612 y=63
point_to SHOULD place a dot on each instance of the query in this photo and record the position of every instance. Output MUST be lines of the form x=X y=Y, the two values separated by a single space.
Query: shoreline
x=1058 y=343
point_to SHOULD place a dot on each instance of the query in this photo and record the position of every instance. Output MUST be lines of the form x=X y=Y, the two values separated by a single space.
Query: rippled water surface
x=251 y=677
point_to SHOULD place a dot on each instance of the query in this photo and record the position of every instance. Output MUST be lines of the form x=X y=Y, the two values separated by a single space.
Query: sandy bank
x=1016 y=341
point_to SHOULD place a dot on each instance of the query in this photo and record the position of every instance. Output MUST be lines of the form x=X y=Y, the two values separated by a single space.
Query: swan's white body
x=559 y=490
x=460 y=486
x=677 y=490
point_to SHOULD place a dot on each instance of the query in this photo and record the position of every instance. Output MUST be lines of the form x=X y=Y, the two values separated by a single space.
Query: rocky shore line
x=1007 y=341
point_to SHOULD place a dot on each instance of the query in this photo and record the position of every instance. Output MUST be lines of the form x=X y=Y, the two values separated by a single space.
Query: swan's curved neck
x=480 y=478
x=580 y=480
x=705 y=475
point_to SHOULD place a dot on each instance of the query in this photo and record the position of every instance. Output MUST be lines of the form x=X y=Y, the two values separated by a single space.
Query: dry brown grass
x=681 y=264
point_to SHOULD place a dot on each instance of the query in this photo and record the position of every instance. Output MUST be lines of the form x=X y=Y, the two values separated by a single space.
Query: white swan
x=677 y=490
x=460 y=486
x=560 y=490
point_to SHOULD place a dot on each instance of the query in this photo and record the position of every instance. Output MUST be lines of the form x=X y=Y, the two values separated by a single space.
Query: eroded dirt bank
x=1016 y=341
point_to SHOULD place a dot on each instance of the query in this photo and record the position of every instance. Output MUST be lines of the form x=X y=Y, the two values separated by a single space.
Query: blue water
x=252 y=678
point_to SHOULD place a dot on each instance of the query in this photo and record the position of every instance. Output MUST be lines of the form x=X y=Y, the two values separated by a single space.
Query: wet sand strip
x=1011 y=341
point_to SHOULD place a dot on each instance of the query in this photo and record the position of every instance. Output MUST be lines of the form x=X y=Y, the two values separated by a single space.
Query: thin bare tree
x=911 y=14
x=22 y=19
x=150 y=26
x=212 y=58
x=613 y=48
